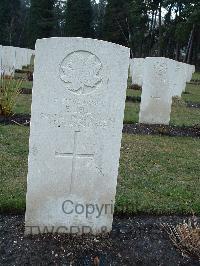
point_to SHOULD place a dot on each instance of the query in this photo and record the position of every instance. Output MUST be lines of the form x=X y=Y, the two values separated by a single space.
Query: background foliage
x=150 y=27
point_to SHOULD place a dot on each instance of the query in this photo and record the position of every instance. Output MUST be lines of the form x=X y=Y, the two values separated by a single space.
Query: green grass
x=196 y=75
x=23 y=105
x=157 y=174
x=25 y=84
x=133 y=93
x=182 y=115
x=192 y=94
x=131 y=114
x=13 y=167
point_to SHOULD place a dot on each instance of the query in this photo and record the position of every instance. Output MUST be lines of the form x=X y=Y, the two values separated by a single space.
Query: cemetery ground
x=158 y=183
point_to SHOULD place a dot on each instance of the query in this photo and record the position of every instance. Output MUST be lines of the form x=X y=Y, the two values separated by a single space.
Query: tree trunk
x=160 y=30
x=191 y=45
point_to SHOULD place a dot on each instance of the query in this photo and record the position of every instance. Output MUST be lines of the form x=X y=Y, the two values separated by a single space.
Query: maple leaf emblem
x=81 y=71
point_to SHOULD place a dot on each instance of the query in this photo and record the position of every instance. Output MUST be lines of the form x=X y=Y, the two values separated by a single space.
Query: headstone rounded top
x=86 y=40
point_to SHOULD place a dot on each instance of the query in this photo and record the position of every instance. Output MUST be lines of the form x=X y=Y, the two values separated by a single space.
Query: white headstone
x=29 y=56
x=24 y=53
x=193 y=69
x=19 y=58
x=78 y=106
x=156 y=96
x=179 y=82
x=17 y=65
x=185 y=75
x=8 y=60
x=172 y=76
x=137 y=65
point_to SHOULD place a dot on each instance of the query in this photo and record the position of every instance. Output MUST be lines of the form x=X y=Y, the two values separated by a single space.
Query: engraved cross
x=74 y=156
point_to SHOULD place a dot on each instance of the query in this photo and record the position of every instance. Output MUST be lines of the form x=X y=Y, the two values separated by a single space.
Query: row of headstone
x=12 y=58
x=79 y=93
x=161 y=79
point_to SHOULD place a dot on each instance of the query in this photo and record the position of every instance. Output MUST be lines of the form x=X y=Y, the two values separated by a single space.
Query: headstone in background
x=185 y=75
x=171 y=65
x=19 y=58
x=193 y=69
x=189 y=73
x=8 y=60
x=32 y=59
x=156 y=96
x=137 y=65
x=179 y=79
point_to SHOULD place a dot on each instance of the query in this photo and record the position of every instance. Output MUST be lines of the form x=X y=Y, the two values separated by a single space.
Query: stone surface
x=172 y=75
x=22 y=57
x=8 y=60
x=156 y=96
x=193 y=69
x=137 y=71
x=189 y=72
x=18 y=64
x=185 y=75
x=32 y=59
x=78 y=106
x=179 y=79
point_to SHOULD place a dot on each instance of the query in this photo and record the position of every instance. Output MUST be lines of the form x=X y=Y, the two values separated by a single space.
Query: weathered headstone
x=172 y=75
x=193 y=69
x=185 y=75
x=156 y=96
x=78 y=105
x=179 y=80
x=189 y=72
x=32 y=59
x=8 y=60
x=137 y=65
x=19 y=58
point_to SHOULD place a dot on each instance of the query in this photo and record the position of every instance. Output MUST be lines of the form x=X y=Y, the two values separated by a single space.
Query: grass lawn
x=13 y=166
x=196 y=75
x=23 y=105
x=192 y=94
x=131 y=114
x=25 y=84
x=182 y=115
x=157 y=174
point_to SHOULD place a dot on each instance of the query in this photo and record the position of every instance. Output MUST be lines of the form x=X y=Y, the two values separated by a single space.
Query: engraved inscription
x=74 y=156
x=156 y=97
x=81 y=72
x=76 y=120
